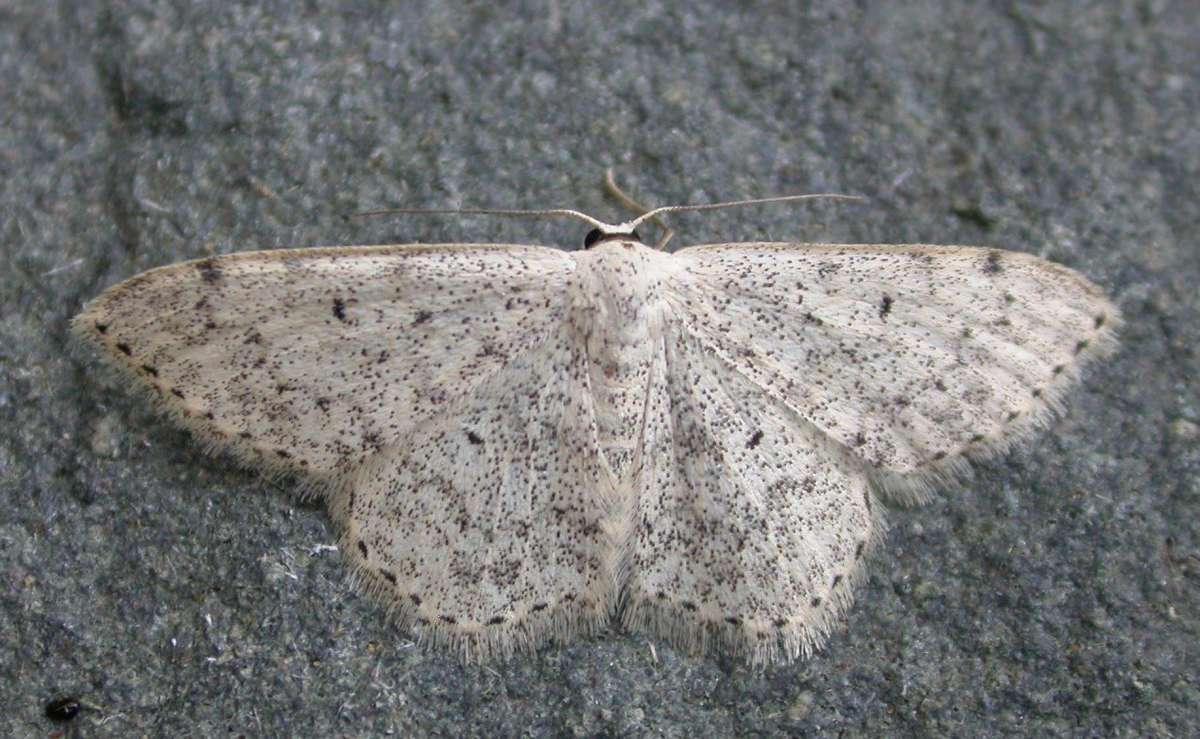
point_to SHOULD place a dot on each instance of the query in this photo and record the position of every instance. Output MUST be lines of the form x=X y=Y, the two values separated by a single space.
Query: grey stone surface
x=1052 y=592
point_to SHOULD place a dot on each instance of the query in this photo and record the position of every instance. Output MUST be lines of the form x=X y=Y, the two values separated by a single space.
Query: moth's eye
x=637 y=237
x=592 y=237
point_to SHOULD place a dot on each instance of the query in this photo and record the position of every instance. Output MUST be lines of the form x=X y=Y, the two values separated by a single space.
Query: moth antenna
x=735 y=203
x=514 y=212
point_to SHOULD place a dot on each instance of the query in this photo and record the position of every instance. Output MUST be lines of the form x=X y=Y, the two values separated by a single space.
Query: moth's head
x=610 y=233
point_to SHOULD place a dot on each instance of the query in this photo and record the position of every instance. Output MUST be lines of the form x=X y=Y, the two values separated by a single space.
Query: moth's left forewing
x=909 y=356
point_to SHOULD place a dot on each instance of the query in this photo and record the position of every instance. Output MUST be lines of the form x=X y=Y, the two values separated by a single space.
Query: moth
x=518 y=443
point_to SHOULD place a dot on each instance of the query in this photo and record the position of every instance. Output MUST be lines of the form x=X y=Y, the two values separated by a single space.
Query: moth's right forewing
x=312 y=359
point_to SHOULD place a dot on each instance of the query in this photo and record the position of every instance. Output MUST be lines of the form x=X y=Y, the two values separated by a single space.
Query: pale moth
x=518 y=443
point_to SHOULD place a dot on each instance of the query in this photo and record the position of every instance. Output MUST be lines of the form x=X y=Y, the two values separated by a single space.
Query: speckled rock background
x=1051 y=593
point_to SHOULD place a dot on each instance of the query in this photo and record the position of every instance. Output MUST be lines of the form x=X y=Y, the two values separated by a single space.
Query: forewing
x=751 y=525
x=483 y=529
x=312 y=359
x=908 y=356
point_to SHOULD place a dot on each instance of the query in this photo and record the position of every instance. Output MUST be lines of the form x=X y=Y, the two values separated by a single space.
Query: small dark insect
x=63 y=709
